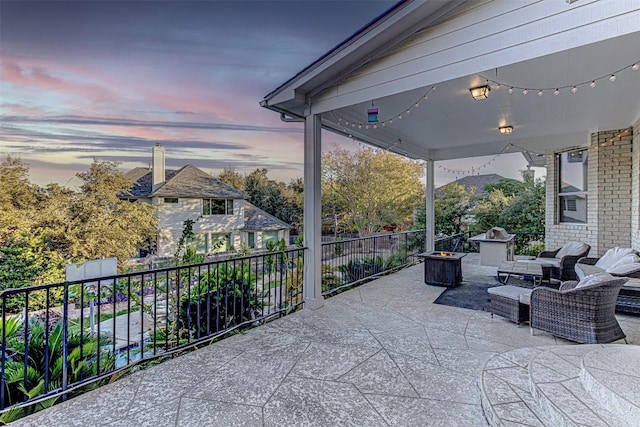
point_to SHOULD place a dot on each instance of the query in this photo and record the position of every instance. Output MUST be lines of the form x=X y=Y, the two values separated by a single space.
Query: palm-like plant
x=87 y=356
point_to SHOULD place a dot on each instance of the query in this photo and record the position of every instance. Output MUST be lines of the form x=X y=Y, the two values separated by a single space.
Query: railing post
x=65 y=339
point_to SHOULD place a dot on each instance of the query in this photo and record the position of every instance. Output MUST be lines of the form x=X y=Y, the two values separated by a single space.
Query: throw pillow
x=571 y=248
x=627 y=259
x=594 y=279
x=612 y=256
x=624 y=269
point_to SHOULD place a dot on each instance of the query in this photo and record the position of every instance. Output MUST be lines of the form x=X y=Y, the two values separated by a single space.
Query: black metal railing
x=346 y=263
x=60 y=338
x=454 y=243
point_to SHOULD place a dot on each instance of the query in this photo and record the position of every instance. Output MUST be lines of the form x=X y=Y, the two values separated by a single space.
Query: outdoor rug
x=472 y=293
x=468 y=294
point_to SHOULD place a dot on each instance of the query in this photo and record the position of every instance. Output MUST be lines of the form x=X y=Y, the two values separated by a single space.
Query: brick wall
x=635 y=189
x=609 y=201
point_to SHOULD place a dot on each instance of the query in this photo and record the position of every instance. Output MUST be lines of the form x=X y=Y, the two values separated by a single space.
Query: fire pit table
x=442 y=268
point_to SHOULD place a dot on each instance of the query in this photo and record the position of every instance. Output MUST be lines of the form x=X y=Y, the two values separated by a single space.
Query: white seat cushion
x=525 y=297
x=571 y=248
x=624 y=269
x=612 y=256
x=507 y=291
x=553 y=262
x=627 y=259
x=584 y=270
x=594 y=279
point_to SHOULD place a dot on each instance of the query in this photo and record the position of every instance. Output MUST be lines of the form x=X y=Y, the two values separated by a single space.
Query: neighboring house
x=479 y=182
x=224 y=219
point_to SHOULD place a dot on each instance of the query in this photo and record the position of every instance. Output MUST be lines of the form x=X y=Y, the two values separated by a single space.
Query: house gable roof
x=257 y=219
x=189 y=181
x=477 y=181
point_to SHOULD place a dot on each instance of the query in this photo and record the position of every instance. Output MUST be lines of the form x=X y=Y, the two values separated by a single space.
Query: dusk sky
x=108 y=79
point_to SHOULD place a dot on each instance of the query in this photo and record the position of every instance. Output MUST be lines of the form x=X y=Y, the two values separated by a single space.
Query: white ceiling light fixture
x=480 y=92
x=505 y=130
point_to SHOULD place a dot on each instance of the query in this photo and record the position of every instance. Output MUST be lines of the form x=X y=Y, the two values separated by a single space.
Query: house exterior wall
x=258 y=237
x=635 y=188
x=171 y=217
x=609 y=200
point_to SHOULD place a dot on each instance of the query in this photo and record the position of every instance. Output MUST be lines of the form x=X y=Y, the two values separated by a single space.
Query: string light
x=389 y=121
x=612 y=77
x=616 y=137
x=473 y=169
x=573 y=88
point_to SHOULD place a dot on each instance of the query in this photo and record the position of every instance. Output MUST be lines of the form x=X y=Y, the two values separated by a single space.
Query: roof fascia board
x=591 y=23
x=404 y=19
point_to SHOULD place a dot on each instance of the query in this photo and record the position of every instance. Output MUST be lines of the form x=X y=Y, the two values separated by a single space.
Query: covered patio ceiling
x=450 y=124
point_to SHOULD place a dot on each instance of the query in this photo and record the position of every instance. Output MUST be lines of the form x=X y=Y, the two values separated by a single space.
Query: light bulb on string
x=592 y=84
x=524 y=92
x=574 y=89
x=612 y=78
x=510 y=91
x=635 y=67
x=539 y=93
x=556 y=92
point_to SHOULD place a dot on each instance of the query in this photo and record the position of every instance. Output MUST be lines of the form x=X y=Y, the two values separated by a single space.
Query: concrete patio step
x=612 y=375
x=581 y=385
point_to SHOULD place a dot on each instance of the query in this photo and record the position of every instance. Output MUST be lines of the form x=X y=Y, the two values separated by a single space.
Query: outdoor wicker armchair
x=562 y=261
x=582 y=314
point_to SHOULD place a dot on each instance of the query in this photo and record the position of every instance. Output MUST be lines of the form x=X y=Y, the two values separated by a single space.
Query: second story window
x=217 y=207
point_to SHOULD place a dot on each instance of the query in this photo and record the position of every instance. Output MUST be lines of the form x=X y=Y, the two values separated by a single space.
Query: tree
x=285 y=202
x=370 y=188
x=509 y=187
x=450 y=209
x=41 y=229
x=233 y=178
x=102 y=224
x=523 y=211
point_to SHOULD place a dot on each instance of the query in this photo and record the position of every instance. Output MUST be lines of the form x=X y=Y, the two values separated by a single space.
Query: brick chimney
x=157 y=170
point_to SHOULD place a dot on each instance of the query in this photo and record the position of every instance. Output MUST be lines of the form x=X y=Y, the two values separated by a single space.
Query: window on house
x=171 y=200
x=217 y=207
x=251 y=239
x=220 y=242
x=199 y=242
x=572 y=186
x=269 y=236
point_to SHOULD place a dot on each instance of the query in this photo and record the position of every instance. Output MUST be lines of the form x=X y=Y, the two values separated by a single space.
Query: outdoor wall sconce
x=505 y=130
x=480 y=92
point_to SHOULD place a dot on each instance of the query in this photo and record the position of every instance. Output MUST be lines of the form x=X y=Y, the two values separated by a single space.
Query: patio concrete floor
x=380 y=354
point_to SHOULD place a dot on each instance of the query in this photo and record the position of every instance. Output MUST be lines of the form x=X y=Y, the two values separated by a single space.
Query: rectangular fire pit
x=442 y=268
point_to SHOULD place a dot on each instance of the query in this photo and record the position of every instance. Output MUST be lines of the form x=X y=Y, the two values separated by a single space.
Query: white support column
x=312 y=284
x=430 y=211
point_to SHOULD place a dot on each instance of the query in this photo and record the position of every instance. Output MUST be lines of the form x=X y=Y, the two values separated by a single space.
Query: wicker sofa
x=583 y=314
x=563 y=260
